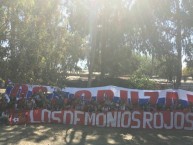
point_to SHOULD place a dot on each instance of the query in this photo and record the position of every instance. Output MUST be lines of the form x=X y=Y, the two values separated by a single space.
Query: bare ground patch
x=57 y=134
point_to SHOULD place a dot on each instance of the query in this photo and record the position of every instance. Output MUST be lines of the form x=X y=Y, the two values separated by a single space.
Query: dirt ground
x=58 y=134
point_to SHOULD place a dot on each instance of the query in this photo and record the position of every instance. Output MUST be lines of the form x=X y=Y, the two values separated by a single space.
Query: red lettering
x=190 y=98
x=39 y=89
x=85 y=93
x=134 y=97
x=124 y=95
x=170 y=97
x=24 y=90
x=101 y=94
x=153 y=97
x=15 y=90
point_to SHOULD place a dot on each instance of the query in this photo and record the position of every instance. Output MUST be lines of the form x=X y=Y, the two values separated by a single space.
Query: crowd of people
x=61 y=101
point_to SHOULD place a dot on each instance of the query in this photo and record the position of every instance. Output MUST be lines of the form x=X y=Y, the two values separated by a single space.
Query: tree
x=38 y=41
x=167 y=20
x=102 y=23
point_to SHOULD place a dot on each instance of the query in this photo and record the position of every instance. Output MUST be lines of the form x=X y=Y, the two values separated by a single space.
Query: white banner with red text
x=120 y=119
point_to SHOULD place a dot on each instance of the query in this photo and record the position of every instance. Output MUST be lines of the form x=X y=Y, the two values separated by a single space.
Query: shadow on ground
x=57 y=134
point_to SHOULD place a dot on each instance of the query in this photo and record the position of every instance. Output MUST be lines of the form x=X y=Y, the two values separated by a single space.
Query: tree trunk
x=93 y=34
x=103 y=52
x=103 y=46
x=178 y=47
x=91 y=61
x=92 y=56
x=90 y=77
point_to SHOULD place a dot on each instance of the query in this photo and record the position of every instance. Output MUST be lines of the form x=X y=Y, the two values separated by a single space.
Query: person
x=1 y=83
x=30 y=103
x=4 y=118
x=8 y=82
x=3 y=103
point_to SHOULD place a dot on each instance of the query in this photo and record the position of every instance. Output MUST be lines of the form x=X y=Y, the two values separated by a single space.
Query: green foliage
x=145 y=66
x=167 y=67
x=36 y=42
x=139 y=81
x=43 y=40
x=135 y=81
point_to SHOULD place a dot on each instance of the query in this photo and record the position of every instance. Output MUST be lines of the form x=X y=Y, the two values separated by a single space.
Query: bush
x=138 y=81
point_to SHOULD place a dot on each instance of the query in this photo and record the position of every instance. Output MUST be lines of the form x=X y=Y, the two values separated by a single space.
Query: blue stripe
x=143 y=101
x=161 y=101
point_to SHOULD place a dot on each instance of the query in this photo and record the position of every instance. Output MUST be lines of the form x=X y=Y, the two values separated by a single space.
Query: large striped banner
x=133 y=96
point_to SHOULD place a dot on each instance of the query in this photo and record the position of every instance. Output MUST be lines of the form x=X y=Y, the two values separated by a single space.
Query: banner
x=123 y=119
x=113 y=93
x=108 y=106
